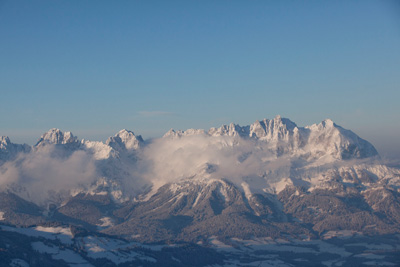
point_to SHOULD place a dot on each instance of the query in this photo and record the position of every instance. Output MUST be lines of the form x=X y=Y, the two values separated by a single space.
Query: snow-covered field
x=67 y=255
x=62 y=234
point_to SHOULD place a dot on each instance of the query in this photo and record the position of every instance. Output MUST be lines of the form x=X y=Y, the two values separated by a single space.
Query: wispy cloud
x=154 y=113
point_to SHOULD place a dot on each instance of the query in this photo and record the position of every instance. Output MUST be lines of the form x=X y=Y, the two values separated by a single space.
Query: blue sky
x=95 y=67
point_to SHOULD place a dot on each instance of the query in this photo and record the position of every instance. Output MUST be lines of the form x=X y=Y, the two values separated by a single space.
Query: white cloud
x=234 y=158
x=48 y=170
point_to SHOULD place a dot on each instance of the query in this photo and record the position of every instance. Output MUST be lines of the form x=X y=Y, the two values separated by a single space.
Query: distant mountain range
x=268 y=181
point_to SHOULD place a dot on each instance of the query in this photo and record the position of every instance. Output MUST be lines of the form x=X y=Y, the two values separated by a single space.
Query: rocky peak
x=4 y=142
x=57 y=137
x=338 y=142
x=328 y=123
x=125 y=139
x=9 y=150
x=229 y=130
x=277 y=129
x=170 y=133
x=324 y=125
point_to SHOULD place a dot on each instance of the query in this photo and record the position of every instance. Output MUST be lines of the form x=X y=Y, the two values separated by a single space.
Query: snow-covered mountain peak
x=285 y=122
x=279 y=121
x=283 y=137
x=56 y=137
x=230 y=130
x=328 y=123
x=170 y=133
x=337 y=141
x=126 y=136
x=4 y=142
x=124 y=133
x=277 y=129
x=177 y=134
x=125 y=139
x=9 y=150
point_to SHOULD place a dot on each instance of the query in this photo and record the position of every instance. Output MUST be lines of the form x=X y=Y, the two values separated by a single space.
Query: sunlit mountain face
x=269 y=193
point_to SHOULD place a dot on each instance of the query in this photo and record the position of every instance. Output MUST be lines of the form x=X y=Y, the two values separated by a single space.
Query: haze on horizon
x=94 y=68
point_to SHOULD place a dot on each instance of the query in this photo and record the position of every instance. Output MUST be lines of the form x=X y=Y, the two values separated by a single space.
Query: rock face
x=268 y=179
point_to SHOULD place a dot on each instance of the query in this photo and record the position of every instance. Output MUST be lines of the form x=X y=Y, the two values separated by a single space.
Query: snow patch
x=99 y=150
x=218 y=244
x=55 y=230
x=114 y=250
x=343 y=234
x=246 y=189
x=281 y=185
x=56 y=253
x=53 y=233
x=197 y=199
x=105 y=222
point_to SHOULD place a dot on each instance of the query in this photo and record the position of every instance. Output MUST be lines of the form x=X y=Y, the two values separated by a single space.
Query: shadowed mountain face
x=17 y=211
x=192 y=210
x=269 y=179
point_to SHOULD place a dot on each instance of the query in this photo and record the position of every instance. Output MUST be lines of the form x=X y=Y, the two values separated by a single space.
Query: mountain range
x=216 y=189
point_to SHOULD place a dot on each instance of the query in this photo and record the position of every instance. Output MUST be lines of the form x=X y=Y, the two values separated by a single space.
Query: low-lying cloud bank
x=41 y=173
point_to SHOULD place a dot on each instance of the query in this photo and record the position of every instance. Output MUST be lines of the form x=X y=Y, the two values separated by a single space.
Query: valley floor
x=62 y=246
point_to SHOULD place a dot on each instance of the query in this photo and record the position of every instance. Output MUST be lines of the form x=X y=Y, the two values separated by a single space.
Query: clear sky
x=95 y=67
